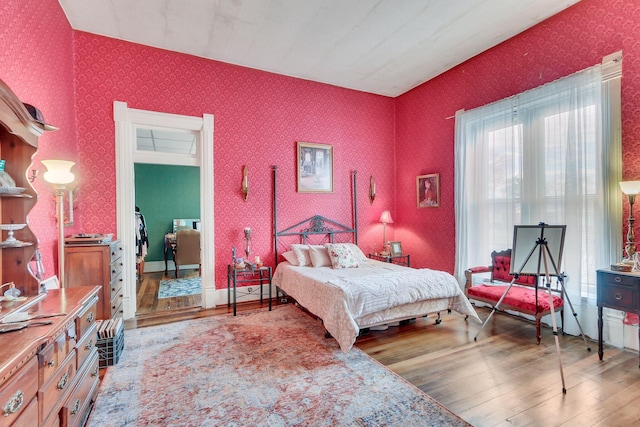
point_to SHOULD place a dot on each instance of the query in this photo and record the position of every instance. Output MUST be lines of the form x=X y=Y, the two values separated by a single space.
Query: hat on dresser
x=36 y=114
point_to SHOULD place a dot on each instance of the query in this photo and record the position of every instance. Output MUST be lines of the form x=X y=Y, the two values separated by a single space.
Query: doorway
x=127 y=123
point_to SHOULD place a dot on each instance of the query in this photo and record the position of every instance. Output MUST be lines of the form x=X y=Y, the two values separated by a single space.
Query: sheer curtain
x=545 y=155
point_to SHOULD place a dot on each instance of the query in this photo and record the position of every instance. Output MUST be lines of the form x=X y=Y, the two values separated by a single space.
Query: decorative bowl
x=11 y=228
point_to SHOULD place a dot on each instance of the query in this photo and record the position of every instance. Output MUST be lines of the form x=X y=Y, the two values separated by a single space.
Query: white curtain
x=545 y=155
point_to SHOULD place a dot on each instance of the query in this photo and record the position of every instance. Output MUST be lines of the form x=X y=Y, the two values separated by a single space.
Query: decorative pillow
x=319 y=256
x=290 y=257
x=302 y=253
x=341 y=256
x=357 y=252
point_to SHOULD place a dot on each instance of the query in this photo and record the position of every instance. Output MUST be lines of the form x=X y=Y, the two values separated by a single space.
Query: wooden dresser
x=97 y=264
x=49 y=373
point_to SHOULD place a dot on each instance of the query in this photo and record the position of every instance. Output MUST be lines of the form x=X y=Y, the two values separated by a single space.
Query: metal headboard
x=315 y=226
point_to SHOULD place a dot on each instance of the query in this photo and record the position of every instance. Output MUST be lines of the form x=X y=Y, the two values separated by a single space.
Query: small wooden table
x=620 y=291
x=393 y=259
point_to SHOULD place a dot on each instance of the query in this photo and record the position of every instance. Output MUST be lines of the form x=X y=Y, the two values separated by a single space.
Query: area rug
x=261 y=368
x=179 y=287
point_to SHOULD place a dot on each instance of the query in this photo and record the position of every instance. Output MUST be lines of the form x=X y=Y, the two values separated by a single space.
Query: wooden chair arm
x=468 y=274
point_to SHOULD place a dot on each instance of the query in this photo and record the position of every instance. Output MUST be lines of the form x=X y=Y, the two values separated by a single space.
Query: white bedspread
x=375 y=292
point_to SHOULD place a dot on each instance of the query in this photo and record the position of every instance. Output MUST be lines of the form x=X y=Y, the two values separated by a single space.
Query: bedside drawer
x=618 y=297
x=86 y=345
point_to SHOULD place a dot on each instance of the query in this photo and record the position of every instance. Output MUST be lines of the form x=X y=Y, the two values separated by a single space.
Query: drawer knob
x=76 y=407
x=64 y=380
x=618 y=279
x=94 y=373
x=89 y=345
x=90 y=317
x=618 y=297
x=52 y=363
x=13 y=404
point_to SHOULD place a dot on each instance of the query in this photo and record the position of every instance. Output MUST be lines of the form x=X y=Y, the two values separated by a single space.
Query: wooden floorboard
x=503 y=379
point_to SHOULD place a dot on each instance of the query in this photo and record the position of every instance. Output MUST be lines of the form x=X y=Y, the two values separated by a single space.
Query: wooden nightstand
x=397 y=259
x=620 y=291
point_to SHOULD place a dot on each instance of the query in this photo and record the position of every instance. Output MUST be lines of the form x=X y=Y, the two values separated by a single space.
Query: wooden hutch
x=49 y=372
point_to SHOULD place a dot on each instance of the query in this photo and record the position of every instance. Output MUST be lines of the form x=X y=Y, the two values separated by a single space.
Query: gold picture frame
x=315 y=168
x=428 y=190
x=395 y=248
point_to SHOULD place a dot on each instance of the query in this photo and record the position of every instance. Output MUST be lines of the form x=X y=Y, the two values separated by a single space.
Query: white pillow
x=290 y=257
x=357 y=252
x=302 y=253
x=319 y=256
x=341 y=256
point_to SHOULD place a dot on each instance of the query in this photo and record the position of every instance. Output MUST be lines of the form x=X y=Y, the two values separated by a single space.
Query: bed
x=327 y=274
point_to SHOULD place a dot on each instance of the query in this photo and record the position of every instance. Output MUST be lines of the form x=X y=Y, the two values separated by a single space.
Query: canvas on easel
x=527 y=252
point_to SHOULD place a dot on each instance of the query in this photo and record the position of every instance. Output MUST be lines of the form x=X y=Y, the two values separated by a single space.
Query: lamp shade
x=58 y=171
x=630 y=188
x=385 y=218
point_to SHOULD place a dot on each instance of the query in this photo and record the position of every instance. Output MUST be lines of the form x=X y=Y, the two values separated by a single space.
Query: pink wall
x=258 y=119
x=575 y=39
x=36 y=62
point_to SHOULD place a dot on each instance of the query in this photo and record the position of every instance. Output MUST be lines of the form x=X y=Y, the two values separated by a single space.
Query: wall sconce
x=245 y=182
x=631 y=189
x=59 y=175
x=385 y=219
x=372 y=189
x=33 y=175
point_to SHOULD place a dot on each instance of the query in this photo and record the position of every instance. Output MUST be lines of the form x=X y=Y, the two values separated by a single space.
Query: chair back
x=501 y=266
x=187 y=247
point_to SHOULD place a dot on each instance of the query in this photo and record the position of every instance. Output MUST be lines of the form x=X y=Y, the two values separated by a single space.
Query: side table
x=395 y=259
x=258 y=276
x=619 y=291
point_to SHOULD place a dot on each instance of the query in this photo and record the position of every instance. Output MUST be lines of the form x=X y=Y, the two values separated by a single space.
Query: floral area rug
x=179 y=287
x=261 y=368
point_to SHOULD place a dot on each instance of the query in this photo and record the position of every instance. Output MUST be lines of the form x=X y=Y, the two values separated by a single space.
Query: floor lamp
x=59 y=175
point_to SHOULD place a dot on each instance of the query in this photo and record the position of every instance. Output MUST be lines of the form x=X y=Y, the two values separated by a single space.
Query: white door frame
x=127 y=120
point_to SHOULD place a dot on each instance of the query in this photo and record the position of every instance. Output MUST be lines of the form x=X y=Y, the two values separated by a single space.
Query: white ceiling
x=385 y=47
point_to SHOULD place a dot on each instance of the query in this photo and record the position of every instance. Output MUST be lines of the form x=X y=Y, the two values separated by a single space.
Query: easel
x=529 y=266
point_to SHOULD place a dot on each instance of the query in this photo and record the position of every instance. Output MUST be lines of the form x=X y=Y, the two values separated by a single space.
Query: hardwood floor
x=503 y=379
x=147 y=294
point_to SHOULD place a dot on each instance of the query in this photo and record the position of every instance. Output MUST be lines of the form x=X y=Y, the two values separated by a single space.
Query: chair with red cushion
x=522 y=296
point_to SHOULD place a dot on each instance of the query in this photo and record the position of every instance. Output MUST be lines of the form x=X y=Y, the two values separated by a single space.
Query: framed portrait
x=315 y=168
x=428 y=190
x=395 y=248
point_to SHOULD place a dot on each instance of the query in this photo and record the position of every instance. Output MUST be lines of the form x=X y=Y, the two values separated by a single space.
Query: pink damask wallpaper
x=572 y=40
x=36 y=62
x=258 y=117
x=74 y=77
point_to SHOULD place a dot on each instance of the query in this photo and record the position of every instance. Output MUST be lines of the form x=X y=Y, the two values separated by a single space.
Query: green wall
x=165 y=192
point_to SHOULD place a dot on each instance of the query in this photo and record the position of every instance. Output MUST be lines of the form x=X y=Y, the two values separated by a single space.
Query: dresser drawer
x=86 y=319
x=28 y=416
x=116 y=269
x=16 y=395
x=51 y=394
x=116 y=307
x=116 y=288
x=51 y=356
x=86 y=345
x=75 y=408
x=115 y=250
x=618 y=297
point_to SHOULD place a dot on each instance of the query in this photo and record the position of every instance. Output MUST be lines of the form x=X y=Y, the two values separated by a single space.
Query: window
x=542 y=156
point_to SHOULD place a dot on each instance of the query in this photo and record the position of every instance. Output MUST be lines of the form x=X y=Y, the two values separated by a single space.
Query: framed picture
x=396 y=248
x=428 y=190
x=315 y=168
